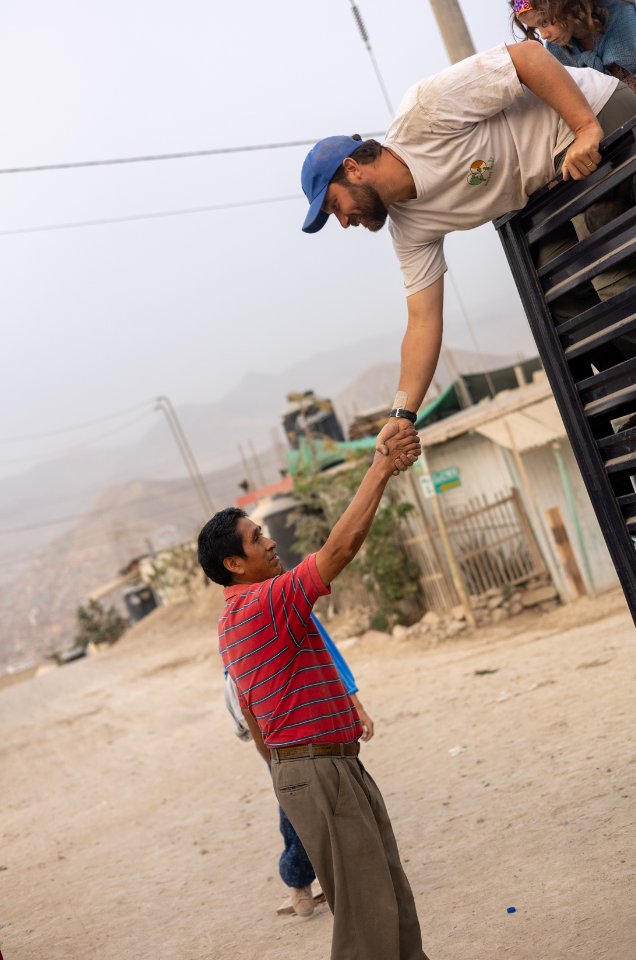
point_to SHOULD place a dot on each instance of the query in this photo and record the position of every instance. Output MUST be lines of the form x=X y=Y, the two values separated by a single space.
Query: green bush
x=385 y=560
x=387 y=569
x=98 y=625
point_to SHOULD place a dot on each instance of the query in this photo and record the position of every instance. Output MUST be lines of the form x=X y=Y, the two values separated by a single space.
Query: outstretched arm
x=351 y=530
x=542 y=73
x=420 y=353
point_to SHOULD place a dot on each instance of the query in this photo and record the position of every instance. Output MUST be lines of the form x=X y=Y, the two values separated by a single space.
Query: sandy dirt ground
x=135 y=825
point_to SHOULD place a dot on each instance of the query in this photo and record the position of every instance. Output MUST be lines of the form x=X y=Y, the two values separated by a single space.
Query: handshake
x=398 y=446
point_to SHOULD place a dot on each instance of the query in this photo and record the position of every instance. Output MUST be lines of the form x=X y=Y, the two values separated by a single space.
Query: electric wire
x=87 y=516
x=77 y=426
x=472 y=332
x=53 y=454
x=150 y=216
x=77 y=538
x=170 y=156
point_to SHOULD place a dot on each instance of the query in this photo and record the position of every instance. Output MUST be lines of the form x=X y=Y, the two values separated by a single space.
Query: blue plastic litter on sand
x=486 y=784
x=511 y=910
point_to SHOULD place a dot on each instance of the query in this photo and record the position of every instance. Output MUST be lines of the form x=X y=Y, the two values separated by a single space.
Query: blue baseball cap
x=320 y=164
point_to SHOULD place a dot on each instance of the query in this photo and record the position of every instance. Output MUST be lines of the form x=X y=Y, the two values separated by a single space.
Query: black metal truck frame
x=588 y=402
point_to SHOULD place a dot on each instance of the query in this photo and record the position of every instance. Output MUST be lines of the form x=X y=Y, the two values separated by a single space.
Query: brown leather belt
x=316 y=750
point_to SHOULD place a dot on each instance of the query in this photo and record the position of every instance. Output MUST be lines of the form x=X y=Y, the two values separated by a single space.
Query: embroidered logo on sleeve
x=480 y=171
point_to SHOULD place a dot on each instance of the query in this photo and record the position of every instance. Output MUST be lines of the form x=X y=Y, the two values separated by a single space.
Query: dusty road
x=135 y=826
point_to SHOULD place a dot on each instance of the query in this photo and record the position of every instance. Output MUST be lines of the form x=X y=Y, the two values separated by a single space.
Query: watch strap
x=403 y=414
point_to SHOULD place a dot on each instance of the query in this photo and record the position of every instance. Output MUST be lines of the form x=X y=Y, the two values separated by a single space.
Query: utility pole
x=453 y=28
x=164 y=404
x=246 y=467
x=257 y=464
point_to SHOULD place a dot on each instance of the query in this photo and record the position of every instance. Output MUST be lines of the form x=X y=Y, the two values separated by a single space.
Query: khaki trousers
x=339 y=814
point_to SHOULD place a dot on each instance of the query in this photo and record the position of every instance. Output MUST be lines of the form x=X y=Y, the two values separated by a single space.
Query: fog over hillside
x=80 y=517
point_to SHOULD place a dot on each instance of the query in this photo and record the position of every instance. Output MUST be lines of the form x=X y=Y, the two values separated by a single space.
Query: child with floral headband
x=599 y=34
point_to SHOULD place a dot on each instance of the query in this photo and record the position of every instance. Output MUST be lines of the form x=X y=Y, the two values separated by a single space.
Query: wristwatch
x=403 y=414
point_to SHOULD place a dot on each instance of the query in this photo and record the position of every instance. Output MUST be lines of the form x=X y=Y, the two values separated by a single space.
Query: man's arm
x=542 y=73
x=255 y=730
x=365 y=719
x=420 y=352
x=351 y=530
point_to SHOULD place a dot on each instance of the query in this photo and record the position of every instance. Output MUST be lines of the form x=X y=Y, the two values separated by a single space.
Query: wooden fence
x=493 y=543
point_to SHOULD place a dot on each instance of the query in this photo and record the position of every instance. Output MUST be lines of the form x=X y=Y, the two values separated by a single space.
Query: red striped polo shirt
x=283 y=672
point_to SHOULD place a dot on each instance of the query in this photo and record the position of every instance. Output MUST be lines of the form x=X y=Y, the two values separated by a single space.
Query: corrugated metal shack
x=517 y=440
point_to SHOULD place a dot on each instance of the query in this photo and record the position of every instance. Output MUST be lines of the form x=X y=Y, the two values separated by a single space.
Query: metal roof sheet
x=539 y=424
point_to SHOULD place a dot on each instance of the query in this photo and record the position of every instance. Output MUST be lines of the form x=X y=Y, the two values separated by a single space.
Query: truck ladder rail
x=589 y=397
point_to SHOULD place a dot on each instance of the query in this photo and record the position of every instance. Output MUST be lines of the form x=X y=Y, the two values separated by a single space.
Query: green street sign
x=438 y=481
x=446 y=479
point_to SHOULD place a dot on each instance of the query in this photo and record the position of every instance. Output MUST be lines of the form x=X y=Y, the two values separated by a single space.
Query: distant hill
x=378 y=383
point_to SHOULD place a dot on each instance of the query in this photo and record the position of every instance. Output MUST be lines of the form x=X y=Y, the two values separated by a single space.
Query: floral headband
x=522 y=6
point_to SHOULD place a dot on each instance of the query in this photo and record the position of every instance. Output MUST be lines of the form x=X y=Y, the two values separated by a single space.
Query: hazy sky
x=100 y=318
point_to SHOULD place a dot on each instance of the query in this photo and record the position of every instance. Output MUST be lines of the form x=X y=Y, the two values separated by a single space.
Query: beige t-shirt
x=477 y=143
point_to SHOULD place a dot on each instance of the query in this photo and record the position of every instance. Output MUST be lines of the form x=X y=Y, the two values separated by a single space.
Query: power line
x=78 y=426
x=79 y=446
x=357 y=16
x=171 y=156
x=151 y=216
x=80 y=538
x=90 y=514
x=472 y=333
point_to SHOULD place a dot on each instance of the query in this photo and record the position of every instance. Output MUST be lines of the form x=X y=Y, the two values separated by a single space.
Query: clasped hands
x=399 y=441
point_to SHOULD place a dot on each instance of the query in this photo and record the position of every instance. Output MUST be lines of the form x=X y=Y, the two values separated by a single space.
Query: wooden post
x=566 y=553
x=448 y=549
x=524 y=523
x=534 y=510
x=521 y=467
x=417 y=493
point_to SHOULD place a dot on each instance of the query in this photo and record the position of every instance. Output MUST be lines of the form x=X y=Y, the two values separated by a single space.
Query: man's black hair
x=220 y=539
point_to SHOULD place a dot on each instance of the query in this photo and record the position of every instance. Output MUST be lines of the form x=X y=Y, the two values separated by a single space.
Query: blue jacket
x=616 y=45
x=339 y=661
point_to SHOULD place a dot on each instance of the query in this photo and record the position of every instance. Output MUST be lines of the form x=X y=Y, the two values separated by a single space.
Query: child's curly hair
x=588 y=13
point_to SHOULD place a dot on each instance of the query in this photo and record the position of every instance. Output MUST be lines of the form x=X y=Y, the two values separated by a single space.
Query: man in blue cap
x=466 y=146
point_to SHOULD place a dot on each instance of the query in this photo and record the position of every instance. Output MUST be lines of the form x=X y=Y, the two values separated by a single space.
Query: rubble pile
x=433 y=626
x=497 y=604
x=353 y=623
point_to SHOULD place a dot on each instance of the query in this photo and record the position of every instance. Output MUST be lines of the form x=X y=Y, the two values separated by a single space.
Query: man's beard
x=369 y=203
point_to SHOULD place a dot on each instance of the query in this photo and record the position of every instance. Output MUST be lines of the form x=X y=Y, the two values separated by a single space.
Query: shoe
x=302 y=901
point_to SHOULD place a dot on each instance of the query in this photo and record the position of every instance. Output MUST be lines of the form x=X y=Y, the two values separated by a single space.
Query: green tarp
x=321 y=454
x=442 y=406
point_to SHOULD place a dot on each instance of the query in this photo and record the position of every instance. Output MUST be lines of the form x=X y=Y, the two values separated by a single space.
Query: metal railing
x=593 y=382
